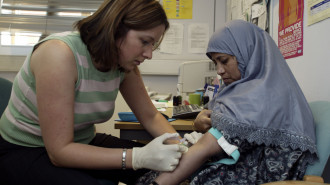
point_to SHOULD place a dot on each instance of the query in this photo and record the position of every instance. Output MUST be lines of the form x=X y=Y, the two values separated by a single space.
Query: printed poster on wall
x=290 y=28
x=178 y=9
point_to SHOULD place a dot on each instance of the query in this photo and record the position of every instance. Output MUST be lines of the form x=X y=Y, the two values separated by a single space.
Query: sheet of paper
x=262 y=21
x=254 y=11
x=237 y=10
x=247 y=9
x=173 y=40
x=198 y=37
x=257 y=10
x=318 y=10
x=259 y=14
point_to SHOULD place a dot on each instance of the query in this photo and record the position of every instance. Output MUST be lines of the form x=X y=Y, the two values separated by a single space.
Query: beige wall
x=312 y=68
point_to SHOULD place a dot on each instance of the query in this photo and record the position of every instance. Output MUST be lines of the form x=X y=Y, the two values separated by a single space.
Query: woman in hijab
x=262 y=127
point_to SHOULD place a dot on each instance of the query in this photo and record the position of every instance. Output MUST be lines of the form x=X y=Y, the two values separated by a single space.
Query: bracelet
x=123 y=160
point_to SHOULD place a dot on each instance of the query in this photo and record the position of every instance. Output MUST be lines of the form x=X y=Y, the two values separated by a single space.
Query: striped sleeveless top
x=95 y=95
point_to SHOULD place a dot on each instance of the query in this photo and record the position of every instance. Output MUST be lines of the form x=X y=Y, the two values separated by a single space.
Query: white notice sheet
x=198 y=38
x=173 y=40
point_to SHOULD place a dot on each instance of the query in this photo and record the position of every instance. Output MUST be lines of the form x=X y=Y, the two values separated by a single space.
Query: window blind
x=43 y=16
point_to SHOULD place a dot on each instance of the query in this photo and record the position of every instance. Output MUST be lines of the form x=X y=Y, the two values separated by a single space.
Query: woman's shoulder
x=54 y=54
x=54 y=49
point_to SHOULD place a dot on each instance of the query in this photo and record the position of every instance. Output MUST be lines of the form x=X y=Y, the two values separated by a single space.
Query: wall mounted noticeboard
x=167 y=63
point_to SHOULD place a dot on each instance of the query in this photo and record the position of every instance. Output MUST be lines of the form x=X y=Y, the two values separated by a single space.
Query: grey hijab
x=266 y=105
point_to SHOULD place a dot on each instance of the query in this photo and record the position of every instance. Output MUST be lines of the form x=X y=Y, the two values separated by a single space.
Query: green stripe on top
x=94 y=117
x=99 y=96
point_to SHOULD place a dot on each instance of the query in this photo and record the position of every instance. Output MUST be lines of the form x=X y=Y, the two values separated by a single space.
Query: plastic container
x=127 y=116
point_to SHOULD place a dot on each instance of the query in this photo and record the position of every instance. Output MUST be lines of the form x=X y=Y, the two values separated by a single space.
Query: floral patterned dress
x=257 y=164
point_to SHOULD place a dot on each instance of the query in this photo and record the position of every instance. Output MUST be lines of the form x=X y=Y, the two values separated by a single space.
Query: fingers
x=185 y=142
x=193 y=137
x=171 y=167
x=208 y=112
x=190 y=138
x=166 y=136
x=175 y=150
x=174 y=163
x=196 y=135
x=206 y=128
x=171 y=158
x=183 y=148
x=172 y=147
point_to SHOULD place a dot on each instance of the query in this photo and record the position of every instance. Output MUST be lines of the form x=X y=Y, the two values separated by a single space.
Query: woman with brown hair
x=68 y=83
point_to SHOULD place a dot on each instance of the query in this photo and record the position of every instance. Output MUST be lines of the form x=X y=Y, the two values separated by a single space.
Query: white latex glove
x=158 y=156
x=193 y=137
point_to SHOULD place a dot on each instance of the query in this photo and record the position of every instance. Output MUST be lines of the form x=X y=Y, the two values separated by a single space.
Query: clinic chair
x=5 y=90
x=316 y=172
x=321 y=113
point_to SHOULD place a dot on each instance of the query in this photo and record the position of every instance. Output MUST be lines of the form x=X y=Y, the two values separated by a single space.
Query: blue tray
x=130 y=117
x=127 y=116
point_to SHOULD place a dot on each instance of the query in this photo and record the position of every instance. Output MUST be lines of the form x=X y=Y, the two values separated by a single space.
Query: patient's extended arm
x=197 y=154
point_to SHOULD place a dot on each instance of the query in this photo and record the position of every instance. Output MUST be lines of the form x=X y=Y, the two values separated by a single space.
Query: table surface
x=179 y=124
x=135 y=131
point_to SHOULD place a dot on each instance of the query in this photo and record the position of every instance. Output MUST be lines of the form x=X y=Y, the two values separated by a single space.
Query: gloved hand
x=193 y=137
x=158 y=156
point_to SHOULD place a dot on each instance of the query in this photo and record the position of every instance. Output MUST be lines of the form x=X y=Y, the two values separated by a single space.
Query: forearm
x=76 y=155
x=136 y=96
x=185 y=168
x=206 y=147
x=158 y=125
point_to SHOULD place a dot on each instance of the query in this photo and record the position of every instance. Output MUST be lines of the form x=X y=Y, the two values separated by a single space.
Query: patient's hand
x=197 y=154
x=203 y=121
